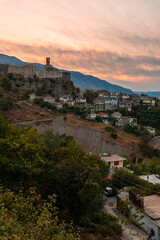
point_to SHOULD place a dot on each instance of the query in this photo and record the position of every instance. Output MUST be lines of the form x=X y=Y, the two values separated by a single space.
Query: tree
x=78 y=180
x=5 y=104
x=31 y=217
x=6 y=84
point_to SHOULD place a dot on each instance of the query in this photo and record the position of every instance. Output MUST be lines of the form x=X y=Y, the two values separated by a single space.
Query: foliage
x=44 y=104
x=123 y=178
x=54 y=164
x=148 y=151
x=90 y=95
x=29 y=217
x=114 y=135
x=6 y=84
x=25 y=95
x=78 y=110
x=147 y=116
x=10 y=76
x=106 y=225
x=5 y=104
x=110 y=129
x=138 y=131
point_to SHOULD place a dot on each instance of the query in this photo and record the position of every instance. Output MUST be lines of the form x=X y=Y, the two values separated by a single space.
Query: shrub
x=114 y=135
x=110 y=129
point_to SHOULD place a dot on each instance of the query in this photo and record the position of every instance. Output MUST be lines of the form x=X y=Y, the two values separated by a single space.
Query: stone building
x=30 y=70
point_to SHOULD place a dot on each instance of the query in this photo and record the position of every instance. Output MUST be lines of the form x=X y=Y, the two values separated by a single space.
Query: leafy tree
x=29 y=217
x=78 y=180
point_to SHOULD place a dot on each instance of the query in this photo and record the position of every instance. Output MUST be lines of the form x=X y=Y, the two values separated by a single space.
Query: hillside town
x=116 y=119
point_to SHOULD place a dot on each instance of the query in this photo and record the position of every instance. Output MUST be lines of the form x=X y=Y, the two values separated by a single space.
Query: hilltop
x=80 y=80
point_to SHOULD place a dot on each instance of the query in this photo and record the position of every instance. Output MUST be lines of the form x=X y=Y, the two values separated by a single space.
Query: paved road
x=130 y=232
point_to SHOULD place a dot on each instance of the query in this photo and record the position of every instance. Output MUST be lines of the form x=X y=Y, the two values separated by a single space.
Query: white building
x=114 y=161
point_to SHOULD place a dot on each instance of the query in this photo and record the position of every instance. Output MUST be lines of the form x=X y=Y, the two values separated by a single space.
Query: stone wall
x=26 y=70
x=91 y=140
x=4 y=67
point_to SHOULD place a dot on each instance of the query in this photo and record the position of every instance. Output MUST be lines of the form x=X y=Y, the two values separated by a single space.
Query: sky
x=115 y=40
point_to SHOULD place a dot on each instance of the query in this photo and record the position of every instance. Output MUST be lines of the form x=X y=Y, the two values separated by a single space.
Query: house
x=105 y=121
x=115 y=95
x=58 y=105
x=102 y=115
x=122 y=121
x=99 y=104
x=49 y=99
x=146 y=100
x=111 y=104
x=126 y=120
x=32 y=96
x=92 y=115
x=144 y=211
x=156 y=142
x=133 y=121
x=103 y=93
x=135 y=98
x=81 y=100
x=65 y=99
x=114 y=161
x=88 y=106
x=126 y=104
x=151 y=178
x=125 y=97
x=116 y=115
x=70 y=102
x=151 y=130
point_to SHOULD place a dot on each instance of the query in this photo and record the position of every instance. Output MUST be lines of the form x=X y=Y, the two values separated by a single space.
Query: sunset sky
x=116 y=40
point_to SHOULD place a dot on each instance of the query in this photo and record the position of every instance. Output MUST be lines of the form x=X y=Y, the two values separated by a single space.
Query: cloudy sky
x=116 y=40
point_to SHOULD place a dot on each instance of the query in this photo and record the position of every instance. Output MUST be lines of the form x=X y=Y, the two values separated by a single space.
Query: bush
x=110 y=129
x=5 y=104
x=114 y=135
x=6 y=84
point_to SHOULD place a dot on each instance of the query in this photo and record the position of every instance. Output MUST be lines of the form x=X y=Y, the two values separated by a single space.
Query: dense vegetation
x=55 y=164
x=123 y=178
x=27 y=216
x=44 y=104
x=146 y=116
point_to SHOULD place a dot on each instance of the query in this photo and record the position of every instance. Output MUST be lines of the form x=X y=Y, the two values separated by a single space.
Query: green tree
x=29 y=217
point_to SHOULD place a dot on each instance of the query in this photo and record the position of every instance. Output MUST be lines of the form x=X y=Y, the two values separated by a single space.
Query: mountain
x=80 y=80
x=151 y=94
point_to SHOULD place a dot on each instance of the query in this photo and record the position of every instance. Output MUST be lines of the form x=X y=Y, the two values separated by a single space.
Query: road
x=130 y=232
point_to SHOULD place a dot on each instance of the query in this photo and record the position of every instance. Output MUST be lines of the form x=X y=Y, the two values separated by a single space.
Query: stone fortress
x=30 y=70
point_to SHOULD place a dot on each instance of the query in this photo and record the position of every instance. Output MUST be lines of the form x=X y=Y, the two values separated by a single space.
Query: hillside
x=80 y=80
x=91 y=136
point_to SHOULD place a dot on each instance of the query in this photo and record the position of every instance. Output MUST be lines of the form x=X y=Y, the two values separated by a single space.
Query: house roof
x=49 y=98
x=116 y=113
x=113 y=158
x=156 y=139
x=152 y=178
x=152 y=206
x=102 y=114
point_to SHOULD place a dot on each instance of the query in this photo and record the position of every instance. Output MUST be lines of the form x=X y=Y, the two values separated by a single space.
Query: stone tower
x=48 y=61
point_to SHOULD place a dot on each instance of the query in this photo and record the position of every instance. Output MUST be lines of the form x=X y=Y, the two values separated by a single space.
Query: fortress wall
x=26 y=70
x=4 y=67
x=49 y=73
